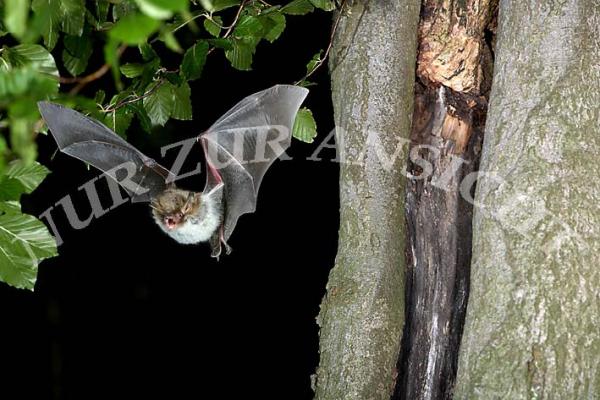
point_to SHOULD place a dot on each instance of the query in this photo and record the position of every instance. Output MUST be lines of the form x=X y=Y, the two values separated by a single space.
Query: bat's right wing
x=241 y=146
x=92 y=142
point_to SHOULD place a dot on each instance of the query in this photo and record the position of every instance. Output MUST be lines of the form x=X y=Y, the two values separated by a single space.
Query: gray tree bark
x=362 y=314
x=533 y=317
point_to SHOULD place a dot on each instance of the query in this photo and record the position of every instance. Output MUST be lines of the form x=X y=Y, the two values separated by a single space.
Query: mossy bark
x=534 y=307
x=362 y=314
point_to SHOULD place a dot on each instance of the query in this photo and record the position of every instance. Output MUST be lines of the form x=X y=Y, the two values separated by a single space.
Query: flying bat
x=239 y=148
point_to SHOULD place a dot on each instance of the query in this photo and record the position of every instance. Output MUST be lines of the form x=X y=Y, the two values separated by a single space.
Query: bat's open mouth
x=171 y=222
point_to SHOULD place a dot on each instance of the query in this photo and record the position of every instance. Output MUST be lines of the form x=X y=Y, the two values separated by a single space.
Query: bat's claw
x=228 y=248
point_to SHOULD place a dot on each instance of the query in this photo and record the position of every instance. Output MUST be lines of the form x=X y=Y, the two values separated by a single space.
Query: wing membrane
x=94 y=143
x=241 y=146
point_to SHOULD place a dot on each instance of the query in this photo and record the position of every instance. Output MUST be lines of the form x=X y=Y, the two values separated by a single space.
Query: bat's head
x=172 y=208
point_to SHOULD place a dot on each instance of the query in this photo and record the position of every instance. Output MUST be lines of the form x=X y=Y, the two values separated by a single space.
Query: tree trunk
x=532 y=321
x=362 y=314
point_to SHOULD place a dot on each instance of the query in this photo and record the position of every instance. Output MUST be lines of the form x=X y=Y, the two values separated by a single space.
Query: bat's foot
x=216 y=252
x=217 y=241
x=215 y=245
x=228 y=248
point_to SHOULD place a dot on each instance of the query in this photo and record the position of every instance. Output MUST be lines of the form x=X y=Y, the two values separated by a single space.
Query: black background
x=125 y=311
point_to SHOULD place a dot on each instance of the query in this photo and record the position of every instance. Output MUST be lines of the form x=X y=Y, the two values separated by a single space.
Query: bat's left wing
x=243 y=144
x=90 y=141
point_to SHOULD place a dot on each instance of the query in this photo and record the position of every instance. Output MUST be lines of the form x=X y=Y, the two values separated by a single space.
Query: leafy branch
x=82 y=81
x=317 y=61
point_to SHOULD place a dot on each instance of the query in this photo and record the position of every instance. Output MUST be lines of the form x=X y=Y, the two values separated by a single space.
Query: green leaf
x=313 y=63
x=29 y=175
x=225 y=44
x=99 y=97
x=134 y=28
x=159 y=104
x=275 y=26
x=182 y=106
x=110 y=51
x=131 y=70
x=15 y=82
x=170 y=41
x=10 y=207
x=213 y=26
x=161 y=9
x=174 y=78
x=119 y=120
x=218 y=5
x=305 y=127
x=15 y=16
x=147 y=52
x=298 y=7
x=327 y=5
x=241 y=54
x=46 y=18
x=123 y=8
x=194 y=60
x=143 y=117
x=3 y=151
x=76 y=53
x=22 y=140
x=10 y=189
x=102 y=7
x=31 y=54
x=73 y=16
x=25 y=81
x=248 y=25
x=24 y=242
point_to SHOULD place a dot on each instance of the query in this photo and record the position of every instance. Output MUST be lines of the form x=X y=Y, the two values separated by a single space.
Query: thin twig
x=135 y=99
x=184 y=23
x=232 y=26
x=329 y=45
x=188 y=21
x=235 y=20
x=82 y=81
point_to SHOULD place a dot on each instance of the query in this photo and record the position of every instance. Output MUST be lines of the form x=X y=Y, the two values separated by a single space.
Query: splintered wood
x=452 y=43
x=457 y=130
x=454 y=67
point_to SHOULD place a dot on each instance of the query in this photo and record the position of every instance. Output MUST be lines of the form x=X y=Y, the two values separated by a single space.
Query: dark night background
x=125 y=311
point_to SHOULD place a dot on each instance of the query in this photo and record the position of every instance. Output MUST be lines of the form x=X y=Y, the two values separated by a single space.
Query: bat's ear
x=197 y=198
x=192 y=202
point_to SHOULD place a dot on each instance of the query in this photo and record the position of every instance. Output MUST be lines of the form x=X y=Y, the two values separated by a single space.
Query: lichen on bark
x=362 y=314
x=534 y=308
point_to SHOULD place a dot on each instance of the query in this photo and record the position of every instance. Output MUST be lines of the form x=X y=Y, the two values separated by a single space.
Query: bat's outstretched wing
x=243 y=144
x=94 y=143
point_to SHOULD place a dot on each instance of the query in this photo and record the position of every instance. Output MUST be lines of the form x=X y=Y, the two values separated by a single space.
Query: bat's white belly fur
x=200 y=227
